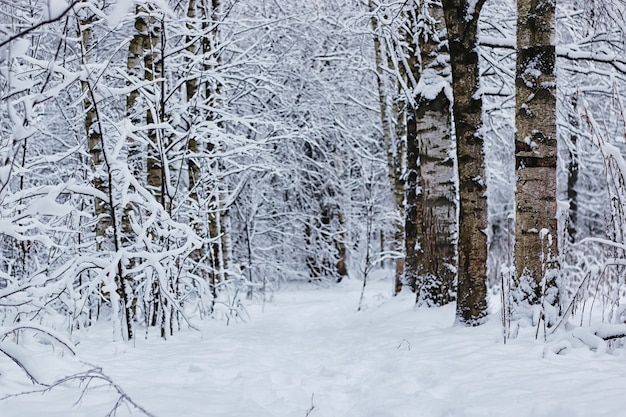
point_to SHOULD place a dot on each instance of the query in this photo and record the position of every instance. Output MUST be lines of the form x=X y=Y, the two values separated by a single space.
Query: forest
x=171 y=168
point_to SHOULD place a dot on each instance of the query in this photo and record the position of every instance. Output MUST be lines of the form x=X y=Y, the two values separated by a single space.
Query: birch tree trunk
x=153 y=71
x=217 y=216
x=135 y=63
x=94 y=136
x=197 y=191
x=107 y=229
x=136 y=51
x=462 y=24
x=191 y=91
x=536 y=246
x=436 y=181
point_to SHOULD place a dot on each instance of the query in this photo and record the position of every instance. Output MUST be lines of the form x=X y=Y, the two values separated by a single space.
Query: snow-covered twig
x=55 y=18
x=84 y=379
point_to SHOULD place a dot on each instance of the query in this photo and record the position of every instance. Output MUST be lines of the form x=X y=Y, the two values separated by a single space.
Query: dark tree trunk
x=462 y=26
x=572 y=179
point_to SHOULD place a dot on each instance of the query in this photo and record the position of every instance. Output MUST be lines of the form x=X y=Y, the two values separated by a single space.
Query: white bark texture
x=536 y=247
x=437 y=231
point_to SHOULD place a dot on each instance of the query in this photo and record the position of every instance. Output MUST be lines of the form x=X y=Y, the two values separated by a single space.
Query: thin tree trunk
x=135 y=63
x=462 y=24
x=536 y=248
x=105 y=209
x=134 y=69
x=413 y=203
x=340 y=245
x=153 y=70
x=572 y=179
x=217 y=216
x=197 y=191
x=393 y=137
x=94 y=137
x=191 y=91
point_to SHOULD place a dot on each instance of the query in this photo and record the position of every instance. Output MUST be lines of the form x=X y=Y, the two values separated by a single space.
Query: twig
x=87 y=377
x=40 y=24
x=310 y=410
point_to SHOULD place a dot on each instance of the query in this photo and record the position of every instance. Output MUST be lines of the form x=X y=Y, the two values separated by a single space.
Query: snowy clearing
x=311 y=354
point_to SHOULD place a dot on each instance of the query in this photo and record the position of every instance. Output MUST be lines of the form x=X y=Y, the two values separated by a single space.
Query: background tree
x=392 y=78
x=240 y=145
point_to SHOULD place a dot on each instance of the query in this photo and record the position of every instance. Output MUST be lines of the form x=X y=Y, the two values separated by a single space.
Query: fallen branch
x=84 y=379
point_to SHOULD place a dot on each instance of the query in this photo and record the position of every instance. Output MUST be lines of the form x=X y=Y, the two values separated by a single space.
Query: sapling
x=370 y=203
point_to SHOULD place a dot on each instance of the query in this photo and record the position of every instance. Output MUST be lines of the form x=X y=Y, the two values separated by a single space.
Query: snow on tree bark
x=153 y=73
x=536 y=247
x=197 y=188
x=436 y=179
x=138 y=49
x=94 y=136
x=217 y=214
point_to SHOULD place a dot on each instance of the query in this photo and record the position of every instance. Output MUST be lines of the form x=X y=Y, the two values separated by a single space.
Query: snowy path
x=312 y=348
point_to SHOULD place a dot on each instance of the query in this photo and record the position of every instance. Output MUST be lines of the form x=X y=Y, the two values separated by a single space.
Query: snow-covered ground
x=311 y=354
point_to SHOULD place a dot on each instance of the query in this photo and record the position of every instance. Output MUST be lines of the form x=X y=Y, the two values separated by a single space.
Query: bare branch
x=84 y=378
x=40 y=24
x=566 y=52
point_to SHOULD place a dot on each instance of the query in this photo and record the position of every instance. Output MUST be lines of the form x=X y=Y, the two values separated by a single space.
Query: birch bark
x=436 y=181
x=536 y=246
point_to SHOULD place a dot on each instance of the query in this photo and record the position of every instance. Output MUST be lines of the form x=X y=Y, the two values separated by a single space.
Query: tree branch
x=40 y=24
x=565 y=52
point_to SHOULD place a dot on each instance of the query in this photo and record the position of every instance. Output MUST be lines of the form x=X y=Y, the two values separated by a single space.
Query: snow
x=431 y=84
x=500 y=42
x=471 y=10
x=55 y=9
x=48 y=206
x=19 y=48
x=310 y=353
x=118 y=12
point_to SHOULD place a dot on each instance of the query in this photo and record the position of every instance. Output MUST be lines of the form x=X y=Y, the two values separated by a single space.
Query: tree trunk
x=462 y=24
x=572 y=179
x=536 y=247
x=191 y=91
x=105 y=210
x=413 y=204
x=197 y=191
x=153 y=70
x=436 y=180
x=394 y=144
x=412 y=188
x=94 y=137
x=217 y=215
x=134 y=68
x=138 y=48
